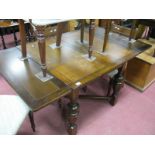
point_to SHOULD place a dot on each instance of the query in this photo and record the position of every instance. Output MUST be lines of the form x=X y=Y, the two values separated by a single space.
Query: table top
x=7 y=23
x=21 y=76
x=45 y=22
x=69 y=68
x=67 y=63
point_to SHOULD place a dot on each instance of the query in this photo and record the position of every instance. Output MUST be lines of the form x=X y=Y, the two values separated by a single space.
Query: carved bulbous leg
x=72 y=113
x=118 y=83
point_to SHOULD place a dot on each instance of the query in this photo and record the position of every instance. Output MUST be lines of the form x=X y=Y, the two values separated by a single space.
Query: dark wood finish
x=137 y=22
x=103 y=22
x=3 y=42
x=109 y=86
x=84 y=89
x=133 y=30
x=73 y=112
x=31 y=118
x=31 y=32
x=107 y=30
x=140 y=72
x=82 y=30
x=15 y=37
x=122 y=30
x=11 y=27
x=22 y=37
x=21 y=76
x=107 y=24
x=69 y=66
x=60 y=28
x=117 y=84
x=3 y=24
x=91 y=36
x=95 y=97
x=40 y=30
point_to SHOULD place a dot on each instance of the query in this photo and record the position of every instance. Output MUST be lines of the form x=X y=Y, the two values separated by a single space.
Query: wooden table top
x=68 y=65
x=21 y=76
x=45 y=22
x=7 y=23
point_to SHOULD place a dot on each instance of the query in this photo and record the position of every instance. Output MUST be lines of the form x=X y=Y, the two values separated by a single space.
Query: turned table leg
x=60 y=28
x=73 y=111
x=91 y=36
x=117 y=84
x=82 y=30
x=133 y=29
x=22 y=38
x=15 y=37
x=3 y=42
x=106 y=35
x=31 y=118
x=42 y=48
x=109 y=87
x=31 y=31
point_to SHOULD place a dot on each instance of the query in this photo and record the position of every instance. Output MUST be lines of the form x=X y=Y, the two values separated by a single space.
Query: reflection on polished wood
x=21 y=76
x=71 y=71
x=39 y=26
x=68 y=65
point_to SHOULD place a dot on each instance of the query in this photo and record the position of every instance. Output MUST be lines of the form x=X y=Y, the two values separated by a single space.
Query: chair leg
x=109 y=87
x=60 y=103
x=3 y=42
x=15 y=38
x=82 y=30
x=32 y=121
x=84 y=89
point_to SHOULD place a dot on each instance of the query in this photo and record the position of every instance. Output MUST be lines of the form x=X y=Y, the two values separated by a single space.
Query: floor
x=133 y=114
